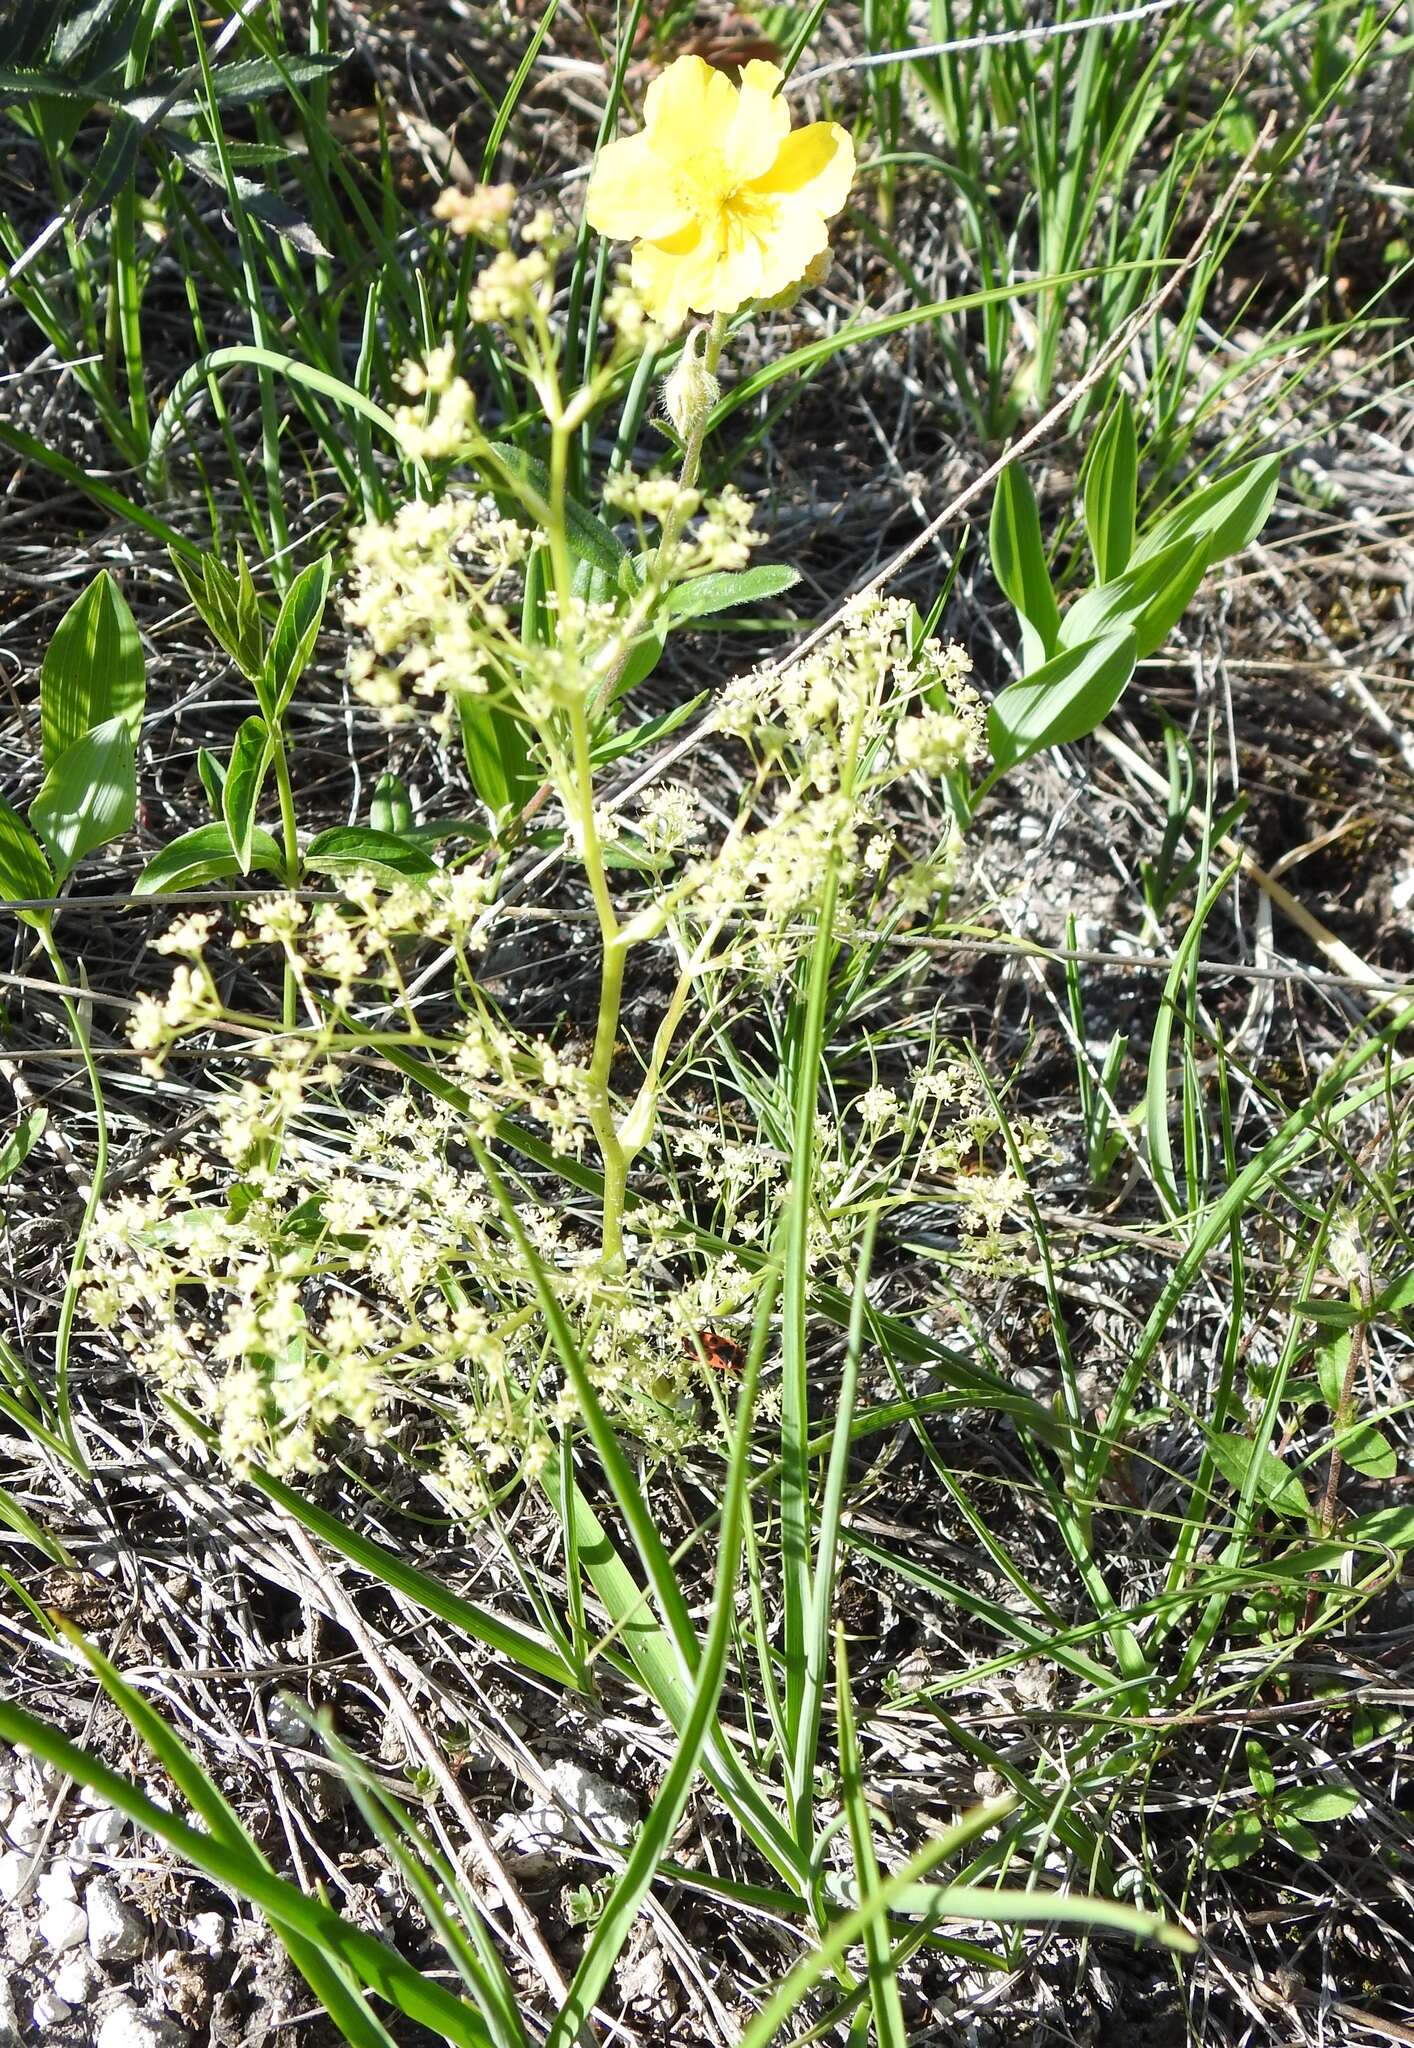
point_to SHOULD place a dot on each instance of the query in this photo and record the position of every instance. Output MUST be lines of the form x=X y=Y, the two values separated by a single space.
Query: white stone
x=26 y=1828
x=115 y=1934
x=49 y=2010
x=57 y=1882
x=76 y=1978
x=13 y=1865
x=101 y=1832
x=63 y=1925
x=609 y=1814
x=123 y=2026
x=208 y=1932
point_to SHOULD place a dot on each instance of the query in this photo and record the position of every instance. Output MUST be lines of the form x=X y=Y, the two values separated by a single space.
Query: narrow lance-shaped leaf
x=292 y=642
x=92 y=671
x=1019 y=564
x=24 y=871
x=1148 y=598
x=250 y=759
x=1111 y=492
x=1061 y=702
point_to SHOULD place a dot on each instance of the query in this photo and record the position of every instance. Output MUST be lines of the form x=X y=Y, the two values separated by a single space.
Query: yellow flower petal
x=815 y=164
x=629 y=195
x=688 y=110
x=672 y=277
x=760 y=123
x=798 y=238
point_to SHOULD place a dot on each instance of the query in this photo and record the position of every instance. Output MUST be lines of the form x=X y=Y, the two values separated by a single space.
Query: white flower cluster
x=426 y=594
x=875 y=699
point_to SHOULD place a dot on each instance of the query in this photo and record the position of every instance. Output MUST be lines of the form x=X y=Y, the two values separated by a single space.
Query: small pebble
x=63 y=1925
x=100 y=1833
x=115 y=1934
x=13 y=1865
x=76 y=1978
x=49 y=2010
x=123 y=2026
x=208 y=1932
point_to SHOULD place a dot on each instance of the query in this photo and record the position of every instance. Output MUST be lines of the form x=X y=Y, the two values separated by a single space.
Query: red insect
x=723 y=1354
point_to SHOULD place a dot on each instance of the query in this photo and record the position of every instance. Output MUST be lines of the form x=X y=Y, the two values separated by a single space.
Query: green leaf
x=93 y=670
x=497 y=756
x=1019 y=563
x=1297 y=1835
x=1317 y=1803
x=346 y=848
x=648 y=734
x=588 y=537
x=24 y=870
x=1276 y=1485
x=1149 y=599
x=729 y=589
x=1062 y=701
x=1331 y=1362
x=1393 y=1528
x=1234 y=1840
x=1365 y=1450
x=245 y=777
x=227 y=605
x=213 y=777
x=1260 y=1774
x=206 y=855
x=89 y=796
x=1111 y=492
x=248 y=78
x=390 y=810
x=292 y=643
x=19 y=1147
x=642 y=658
x=244 y=1872
x=1226 y=514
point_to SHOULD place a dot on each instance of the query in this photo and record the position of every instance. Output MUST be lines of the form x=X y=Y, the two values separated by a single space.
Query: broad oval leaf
x=346 y=848
x=727 y=589
x=88 y=797
x=93 y=670
x=1019 y=558
x=1149 y=598
x=292 y=642
x=1063 y=701
x=1365 y=1449
x=1111 y=492
x=206 y=855
x=245 y=777
x=1234 y=1840
x=25 y=872
x=1319 y=1802
x=1275 y=1485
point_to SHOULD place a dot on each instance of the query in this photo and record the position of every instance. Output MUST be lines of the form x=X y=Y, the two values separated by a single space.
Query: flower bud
x=692 y=391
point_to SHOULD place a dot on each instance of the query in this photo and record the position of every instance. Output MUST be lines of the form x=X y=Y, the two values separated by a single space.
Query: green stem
x=280 y=763
x=611 y=992
x=68 y=1307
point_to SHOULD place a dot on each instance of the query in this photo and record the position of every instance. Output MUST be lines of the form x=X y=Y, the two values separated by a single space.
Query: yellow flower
x=723 y=202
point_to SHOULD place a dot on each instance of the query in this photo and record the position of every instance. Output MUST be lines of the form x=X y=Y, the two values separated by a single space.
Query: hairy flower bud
x=692 y=391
